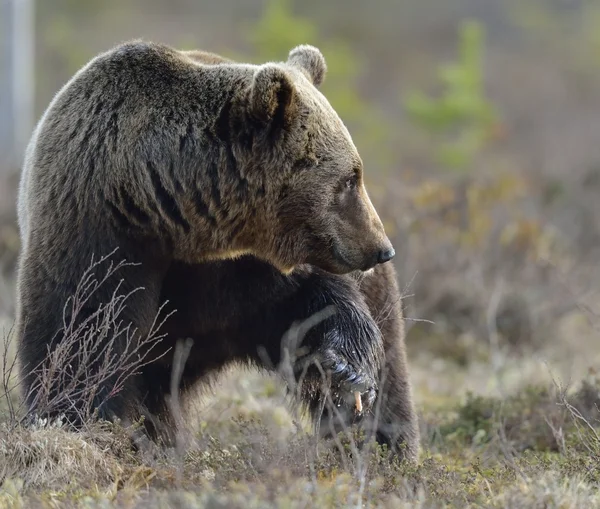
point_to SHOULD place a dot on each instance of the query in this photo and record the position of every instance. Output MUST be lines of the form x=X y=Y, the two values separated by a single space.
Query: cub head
x=316 y=207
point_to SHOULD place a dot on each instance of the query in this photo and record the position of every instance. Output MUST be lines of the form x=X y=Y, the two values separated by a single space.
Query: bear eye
x=352 y=182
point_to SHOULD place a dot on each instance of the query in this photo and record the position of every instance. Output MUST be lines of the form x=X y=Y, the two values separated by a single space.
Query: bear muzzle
x=352 y=260
x=382 y=255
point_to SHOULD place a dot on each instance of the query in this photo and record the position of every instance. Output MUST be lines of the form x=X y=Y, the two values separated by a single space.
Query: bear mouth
x=343 y=261
x=340 y=259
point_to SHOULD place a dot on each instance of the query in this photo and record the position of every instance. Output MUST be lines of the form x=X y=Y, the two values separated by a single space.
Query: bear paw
x=349 y=382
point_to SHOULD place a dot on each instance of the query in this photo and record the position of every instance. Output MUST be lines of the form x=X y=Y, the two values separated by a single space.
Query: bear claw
x=347 y=381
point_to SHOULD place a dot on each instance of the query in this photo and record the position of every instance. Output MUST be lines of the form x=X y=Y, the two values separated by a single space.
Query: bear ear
x=272 y=94
x=310 y=60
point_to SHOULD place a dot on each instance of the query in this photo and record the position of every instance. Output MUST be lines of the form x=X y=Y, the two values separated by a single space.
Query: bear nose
x=385 y=255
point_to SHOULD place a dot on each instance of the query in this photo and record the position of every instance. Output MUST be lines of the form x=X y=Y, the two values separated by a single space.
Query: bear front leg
x=346 y=347
x=339 y=378
x=321 y=337
x=378 y=396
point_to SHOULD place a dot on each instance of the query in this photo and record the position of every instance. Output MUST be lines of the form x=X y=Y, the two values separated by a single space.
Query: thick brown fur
x=185 y=162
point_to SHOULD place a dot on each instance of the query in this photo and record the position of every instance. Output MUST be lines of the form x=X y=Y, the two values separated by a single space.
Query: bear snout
x=354 y=258
x=378 y=256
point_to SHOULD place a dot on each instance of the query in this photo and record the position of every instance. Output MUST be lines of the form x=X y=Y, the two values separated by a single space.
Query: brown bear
x=236 y=194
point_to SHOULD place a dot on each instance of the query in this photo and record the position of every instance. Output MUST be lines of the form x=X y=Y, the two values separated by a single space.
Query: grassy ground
x=508 y=436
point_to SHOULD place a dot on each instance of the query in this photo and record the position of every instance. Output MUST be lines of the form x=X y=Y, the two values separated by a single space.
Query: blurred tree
x=462 y=112
x=462 y=124
x=278 y=30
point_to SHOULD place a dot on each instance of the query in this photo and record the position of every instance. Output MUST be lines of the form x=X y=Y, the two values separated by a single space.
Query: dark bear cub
x=235 y=193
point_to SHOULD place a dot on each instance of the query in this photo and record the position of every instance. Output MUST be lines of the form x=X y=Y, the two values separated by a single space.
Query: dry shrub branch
x=65 y=384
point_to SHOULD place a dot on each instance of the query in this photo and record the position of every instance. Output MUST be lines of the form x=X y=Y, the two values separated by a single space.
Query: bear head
x=295 y=145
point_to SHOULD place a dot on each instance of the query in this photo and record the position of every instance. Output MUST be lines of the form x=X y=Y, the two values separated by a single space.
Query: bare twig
x=91 y=359
x=182 y=436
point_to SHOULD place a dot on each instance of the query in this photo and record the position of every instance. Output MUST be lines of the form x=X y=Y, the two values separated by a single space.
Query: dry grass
x=537 y=447
x=49 y=457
